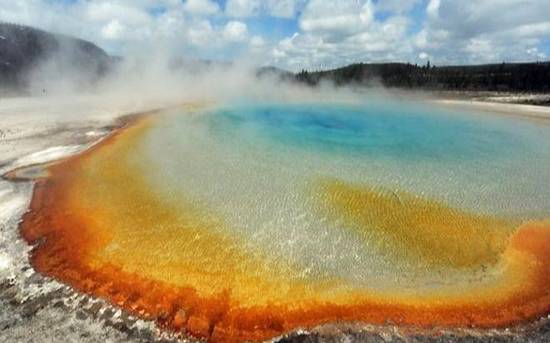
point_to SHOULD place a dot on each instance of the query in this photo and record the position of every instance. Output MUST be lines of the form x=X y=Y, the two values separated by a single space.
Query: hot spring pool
x=247 y=221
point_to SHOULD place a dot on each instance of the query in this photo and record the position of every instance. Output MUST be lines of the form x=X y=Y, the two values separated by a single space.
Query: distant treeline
x=491 y=77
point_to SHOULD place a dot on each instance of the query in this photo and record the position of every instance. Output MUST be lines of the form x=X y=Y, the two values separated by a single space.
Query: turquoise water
x=251 y=167
x=403 y=132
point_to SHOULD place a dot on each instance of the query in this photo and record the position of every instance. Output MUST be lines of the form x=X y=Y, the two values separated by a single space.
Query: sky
x=302 y=34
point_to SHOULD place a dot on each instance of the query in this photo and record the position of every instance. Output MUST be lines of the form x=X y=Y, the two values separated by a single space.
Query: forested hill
x=23 y=49
x=490 y=77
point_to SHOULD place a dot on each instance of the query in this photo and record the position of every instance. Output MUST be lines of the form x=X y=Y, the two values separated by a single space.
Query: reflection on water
x=248 y=221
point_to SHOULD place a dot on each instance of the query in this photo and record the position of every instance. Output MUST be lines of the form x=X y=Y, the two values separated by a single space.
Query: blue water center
x=405 y=132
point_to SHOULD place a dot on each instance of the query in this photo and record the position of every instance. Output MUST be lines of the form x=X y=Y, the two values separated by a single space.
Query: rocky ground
x=32 y=307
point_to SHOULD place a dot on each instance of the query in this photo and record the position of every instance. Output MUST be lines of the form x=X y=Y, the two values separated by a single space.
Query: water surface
x=248 y=220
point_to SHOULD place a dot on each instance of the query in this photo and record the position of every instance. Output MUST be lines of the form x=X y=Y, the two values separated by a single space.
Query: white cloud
x=483 y=31
x=335 y=33
x=535 y=53
x=432 y=10
x=480 y=48
x=283 y=8
x=379 y=41
x=397 y=6
x=259 y=49
x=201 y=7
x=113 y=30
x=123 y=25
x=200 y=33
x=273 y=8
x=529 y=30
x=242 y=8
x=257 y=42
x=106 y=11
x=344 y=16
x=235 y=31
x=490 y=16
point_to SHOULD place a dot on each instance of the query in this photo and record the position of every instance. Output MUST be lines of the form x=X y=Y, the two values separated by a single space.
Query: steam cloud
x=159 y=77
